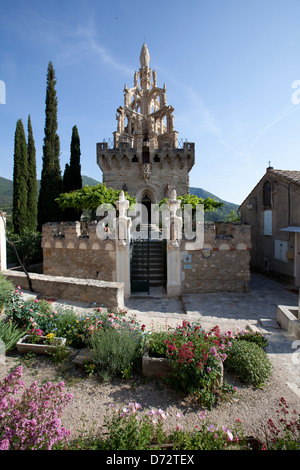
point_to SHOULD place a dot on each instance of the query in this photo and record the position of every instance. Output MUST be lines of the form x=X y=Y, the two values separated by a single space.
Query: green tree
x=72 y=175
x=233 y=216
x=20 y=178
x=32 y=181
x=209 y=203
x=91 y=197
x=66 y=179
x=75 y=167
x=51 y=179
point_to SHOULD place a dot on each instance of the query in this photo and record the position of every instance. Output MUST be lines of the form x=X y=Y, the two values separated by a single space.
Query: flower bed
x=190 y=357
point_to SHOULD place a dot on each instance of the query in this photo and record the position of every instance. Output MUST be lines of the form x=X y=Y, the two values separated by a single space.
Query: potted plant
x=38 y=343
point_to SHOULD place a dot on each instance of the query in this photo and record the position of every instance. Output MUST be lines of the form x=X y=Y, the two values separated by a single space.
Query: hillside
x=6 y=191
x=6 y=198
x=219 y=214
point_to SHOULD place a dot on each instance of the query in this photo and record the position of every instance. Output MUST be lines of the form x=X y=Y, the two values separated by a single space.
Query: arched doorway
x=146 y=196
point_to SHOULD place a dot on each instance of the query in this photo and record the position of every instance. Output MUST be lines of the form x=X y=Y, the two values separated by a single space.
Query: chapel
x=145 y=156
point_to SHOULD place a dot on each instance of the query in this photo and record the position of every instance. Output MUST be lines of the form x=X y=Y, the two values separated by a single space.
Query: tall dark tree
x=66 y=179
x=75 y=167
x=20 y=177
x=51 y=180
x=32 y=181
x=72 y=175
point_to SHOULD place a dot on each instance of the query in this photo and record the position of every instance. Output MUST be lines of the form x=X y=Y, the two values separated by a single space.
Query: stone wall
x=123 y=167
x=109 y=294
x=73 y=249
x=224 y=262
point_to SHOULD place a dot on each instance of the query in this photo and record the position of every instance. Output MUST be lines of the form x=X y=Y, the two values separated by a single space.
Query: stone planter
x=24 y=347
x=161 y=367
x=155 y=366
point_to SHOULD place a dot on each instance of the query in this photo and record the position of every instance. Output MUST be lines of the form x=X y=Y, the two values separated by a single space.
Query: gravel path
x=92 y=397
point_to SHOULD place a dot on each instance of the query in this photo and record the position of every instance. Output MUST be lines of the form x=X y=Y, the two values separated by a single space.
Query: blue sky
x=228 y=65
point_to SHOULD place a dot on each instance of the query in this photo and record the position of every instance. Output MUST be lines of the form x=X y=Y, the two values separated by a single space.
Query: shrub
x=73 y=327
x=285 y=434
x=30 y=420
x=196 y=358
x=156 y=343
x=249 y=362
x=115 y=351
x=254 y=337
x=6 y=289
x=28 y=246
x=131 y=428
x=9 y=334
x=26 y=312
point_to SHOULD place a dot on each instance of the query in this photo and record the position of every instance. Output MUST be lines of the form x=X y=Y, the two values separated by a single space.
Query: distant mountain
x=220 y=214
x=6 y=198
x=6 y=191
x=6 y=194
x=86 y=180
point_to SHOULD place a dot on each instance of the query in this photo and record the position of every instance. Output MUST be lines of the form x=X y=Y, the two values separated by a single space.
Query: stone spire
x=144 y=56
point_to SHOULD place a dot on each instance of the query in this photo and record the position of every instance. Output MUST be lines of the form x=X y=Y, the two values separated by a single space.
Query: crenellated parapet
x=224 y=236
x=74 y=249
x=74 y=235
x=222 y=263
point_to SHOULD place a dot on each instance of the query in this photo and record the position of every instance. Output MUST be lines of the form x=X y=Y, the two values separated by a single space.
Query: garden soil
x=252 y=406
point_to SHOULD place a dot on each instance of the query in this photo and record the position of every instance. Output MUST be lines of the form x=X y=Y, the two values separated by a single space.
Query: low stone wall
x=223 y=264
x=288 y=319
x=108 y=294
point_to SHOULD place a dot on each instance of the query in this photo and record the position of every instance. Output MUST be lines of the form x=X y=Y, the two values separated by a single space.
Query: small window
x=135 y=159
x=156 y=158
x=146 y=154
x=267 y=192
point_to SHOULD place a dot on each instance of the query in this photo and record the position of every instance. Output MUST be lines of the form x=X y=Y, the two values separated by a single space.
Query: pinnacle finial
x=144 y=56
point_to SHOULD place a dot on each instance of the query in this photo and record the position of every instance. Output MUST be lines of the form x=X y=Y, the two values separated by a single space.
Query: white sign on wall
x=281 y=248
x=268 y=223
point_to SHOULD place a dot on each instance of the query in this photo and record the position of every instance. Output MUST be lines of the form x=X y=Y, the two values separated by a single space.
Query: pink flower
x=228 y=432
x=162 y=414
x=4 y=444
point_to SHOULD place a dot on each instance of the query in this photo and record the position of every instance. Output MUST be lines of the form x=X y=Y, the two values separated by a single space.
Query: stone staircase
x=147 y=264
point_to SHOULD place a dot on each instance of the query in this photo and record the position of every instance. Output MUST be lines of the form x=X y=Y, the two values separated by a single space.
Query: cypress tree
x=66 y=179
x=75 y=167
x=32 y=181
x=20 y=177
x=51 y=180
x=72 y=175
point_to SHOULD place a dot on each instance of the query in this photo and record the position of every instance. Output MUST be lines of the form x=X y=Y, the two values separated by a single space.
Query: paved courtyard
x=256 y=307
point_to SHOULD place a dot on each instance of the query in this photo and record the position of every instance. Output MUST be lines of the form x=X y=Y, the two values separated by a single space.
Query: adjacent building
x=273 y=211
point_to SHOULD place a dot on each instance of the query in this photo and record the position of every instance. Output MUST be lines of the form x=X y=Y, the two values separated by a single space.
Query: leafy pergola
x=209 y=203
x=91 y=197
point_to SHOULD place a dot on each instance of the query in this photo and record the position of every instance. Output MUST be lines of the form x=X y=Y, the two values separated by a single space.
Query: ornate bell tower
x=145 y=158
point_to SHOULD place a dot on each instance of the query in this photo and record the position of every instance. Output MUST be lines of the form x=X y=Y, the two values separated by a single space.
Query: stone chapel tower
x=146 y=160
